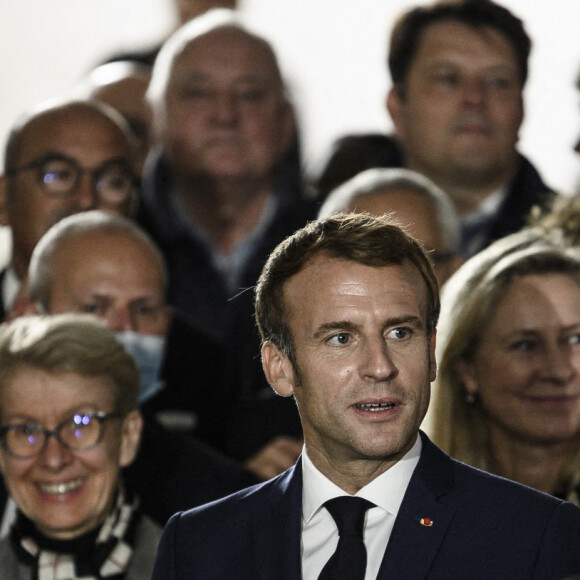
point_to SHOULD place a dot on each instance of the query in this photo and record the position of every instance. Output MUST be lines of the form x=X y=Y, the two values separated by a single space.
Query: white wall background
x=333 y=52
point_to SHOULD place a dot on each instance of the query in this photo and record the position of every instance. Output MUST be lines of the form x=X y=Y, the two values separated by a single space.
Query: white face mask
x=148 y=351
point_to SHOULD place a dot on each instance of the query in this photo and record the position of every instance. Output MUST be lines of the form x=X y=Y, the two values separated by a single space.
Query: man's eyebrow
x=251 y=77
x=349 y=326
x=327 y=327
x=409 y=319
x=97 y=296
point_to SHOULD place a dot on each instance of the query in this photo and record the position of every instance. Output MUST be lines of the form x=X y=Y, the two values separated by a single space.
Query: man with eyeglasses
x=61 y=158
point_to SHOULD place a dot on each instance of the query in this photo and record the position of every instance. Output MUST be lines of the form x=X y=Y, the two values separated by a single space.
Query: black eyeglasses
x=79 y=432
x=60 y=176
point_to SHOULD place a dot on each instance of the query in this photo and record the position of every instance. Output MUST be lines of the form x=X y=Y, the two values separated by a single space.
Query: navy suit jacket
x=484 y=527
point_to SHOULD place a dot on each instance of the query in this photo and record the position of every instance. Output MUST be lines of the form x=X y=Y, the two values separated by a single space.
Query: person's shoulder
x=148 y=531
x=504 y=500
x=529 y=181
x=476 y=480
x=9 y=567
x=221 y=539
x=244 y=506
x=250 y=498
x=483 y=488
x=490 y=527
x=147 y=536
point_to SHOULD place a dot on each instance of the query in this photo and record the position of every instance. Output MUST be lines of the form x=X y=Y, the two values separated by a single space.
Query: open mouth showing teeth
x=61 y=488
x=375 y=406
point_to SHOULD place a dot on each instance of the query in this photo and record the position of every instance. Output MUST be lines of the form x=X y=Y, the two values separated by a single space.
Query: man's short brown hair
x=409 y=28
x=361 y=238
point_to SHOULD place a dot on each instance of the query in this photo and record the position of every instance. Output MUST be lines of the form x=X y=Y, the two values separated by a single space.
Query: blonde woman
x=507 y=395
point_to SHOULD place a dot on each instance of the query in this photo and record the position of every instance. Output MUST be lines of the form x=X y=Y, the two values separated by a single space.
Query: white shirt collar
x=10 y=287
x=385 y=491
x=487 y=208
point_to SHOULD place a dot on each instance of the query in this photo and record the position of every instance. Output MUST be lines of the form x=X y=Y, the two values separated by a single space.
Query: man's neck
x=228 y=211
x=467 y=199
x=469 y=189
x=352 y=475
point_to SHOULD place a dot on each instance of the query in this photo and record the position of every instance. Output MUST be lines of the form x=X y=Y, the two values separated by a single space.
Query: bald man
x=61 y=158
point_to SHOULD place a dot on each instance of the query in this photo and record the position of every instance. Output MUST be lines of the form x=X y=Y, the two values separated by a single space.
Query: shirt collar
x=487 y=208
x=10 y=287
x=385 y=491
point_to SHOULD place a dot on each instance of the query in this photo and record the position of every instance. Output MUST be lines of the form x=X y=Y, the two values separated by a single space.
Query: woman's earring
x=470 y=398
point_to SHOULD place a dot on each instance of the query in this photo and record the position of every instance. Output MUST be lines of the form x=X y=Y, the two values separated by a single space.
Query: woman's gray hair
x=379 y=179
x=70 y=343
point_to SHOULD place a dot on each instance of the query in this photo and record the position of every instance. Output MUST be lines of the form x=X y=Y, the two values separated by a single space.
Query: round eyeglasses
x=60 y=176
x=79 y=432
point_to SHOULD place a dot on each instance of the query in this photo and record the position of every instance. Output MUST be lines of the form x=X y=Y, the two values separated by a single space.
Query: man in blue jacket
x=347 y=309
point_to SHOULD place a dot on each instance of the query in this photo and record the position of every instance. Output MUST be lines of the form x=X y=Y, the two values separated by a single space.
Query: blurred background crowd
x=147 y=180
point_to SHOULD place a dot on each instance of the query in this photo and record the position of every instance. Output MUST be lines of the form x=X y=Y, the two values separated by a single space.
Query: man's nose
x=85 y=195
x=474 y=91
x=225 y=107
x=120 y=320
x=378 y=364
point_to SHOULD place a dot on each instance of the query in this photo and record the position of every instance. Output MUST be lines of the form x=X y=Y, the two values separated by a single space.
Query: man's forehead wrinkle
x=234 y=40
x=201 y=76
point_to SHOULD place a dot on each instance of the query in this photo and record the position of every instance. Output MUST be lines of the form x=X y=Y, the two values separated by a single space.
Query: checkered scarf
x=104 y=555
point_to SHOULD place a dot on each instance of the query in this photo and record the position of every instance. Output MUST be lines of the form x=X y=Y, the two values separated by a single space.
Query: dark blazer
x=197 y=289
x=354 y=153
x=173 y=472
x=484 y=527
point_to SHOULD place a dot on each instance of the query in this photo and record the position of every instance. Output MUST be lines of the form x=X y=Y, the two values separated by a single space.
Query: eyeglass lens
x=78 y=432
x=112 y=182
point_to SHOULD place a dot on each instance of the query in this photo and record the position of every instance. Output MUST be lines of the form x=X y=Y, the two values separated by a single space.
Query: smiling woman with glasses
x=68 y=424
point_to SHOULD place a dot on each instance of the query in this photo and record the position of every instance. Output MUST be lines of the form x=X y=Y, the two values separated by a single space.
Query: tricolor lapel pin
x=426 y=522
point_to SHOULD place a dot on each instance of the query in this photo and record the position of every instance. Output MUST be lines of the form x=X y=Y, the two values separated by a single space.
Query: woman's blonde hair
x=459 y=425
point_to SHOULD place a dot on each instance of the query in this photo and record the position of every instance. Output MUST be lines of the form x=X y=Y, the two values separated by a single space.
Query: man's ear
x=278 y=369
x=130 y=437
x=395 y=105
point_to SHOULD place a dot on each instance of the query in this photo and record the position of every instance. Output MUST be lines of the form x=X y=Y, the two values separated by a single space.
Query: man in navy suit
x=347 y=309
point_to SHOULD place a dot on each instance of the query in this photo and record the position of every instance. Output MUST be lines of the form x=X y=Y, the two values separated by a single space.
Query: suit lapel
x=280 y=530
x=423 y=519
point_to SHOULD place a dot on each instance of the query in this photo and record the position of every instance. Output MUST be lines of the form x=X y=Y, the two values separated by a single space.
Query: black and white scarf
x=102 y=554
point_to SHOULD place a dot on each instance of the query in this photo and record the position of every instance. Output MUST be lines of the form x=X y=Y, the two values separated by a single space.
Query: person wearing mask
x=107 y=266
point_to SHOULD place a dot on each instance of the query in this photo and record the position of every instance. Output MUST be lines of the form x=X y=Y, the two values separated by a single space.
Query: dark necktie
x=349 y=561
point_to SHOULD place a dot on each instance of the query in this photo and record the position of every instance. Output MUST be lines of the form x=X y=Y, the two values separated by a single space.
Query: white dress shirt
x=475 y=224
x=10 y=287
x=319 y=531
